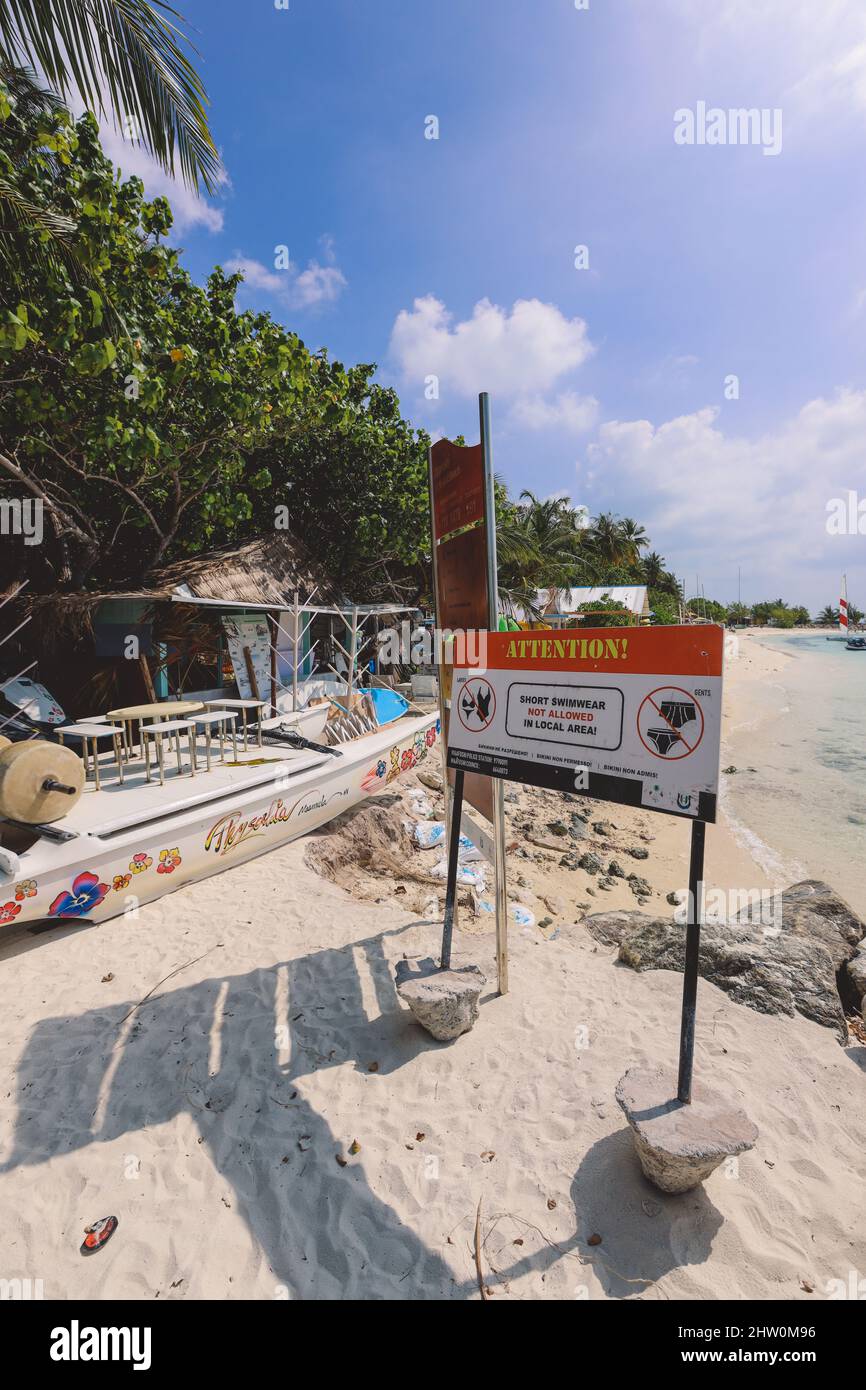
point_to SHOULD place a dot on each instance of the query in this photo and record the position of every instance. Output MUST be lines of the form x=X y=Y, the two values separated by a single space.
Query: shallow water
x=803 y=809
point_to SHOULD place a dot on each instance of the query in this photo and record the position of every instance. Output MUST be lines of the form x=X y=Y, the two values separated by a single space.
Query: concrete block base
x=445 y=1002
x=679 y=1145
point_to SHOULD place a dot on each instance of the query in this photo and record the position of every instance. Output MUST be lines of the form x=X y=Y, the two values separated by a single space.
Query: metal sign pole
x=690 y=974
x=453 y=857
x=493 y=624
x=446 y=790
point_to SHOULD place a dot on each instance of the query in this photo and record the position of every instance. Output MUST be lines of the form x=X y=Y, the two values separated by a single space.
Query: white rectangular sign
x=625 y=714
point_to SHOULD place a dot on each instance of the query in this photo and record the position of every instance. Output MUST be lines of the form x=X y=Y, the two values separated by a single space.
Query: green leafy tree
x=701 y=607
x=782 y=616
x=634 y=539
x=134 y=439
x=738 y=613
x=607 y=542
x=153 y=420
x=603 y=612
x=354 y=486
x=664 y=606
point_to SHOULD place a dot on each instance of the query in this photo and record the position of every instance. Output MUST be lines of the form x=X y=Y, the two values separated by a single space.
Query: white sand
x=211 y=1119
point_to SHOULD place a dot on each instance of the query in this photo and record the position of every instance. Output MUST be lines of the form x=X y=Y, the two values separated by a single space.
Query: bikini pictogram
x=476 y=705
x=662 y=719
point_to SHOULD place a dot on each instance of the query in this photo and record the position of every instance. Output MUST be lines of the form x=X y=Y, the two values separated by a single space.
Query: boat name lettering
x=229 y=831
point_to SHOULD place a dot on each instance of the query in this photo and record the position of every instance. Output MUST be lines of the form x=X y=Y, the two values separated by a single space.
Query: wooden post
x=147 y=678
x=251 y=675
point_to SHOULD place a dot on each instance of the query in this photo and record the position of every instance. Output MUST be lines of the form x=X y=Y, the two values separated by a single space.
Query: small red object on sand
x=98 y=1234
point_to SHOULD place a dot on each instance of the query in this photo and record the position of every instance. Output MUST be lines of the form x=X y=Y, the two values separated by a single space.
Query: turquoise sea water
x=803 y=809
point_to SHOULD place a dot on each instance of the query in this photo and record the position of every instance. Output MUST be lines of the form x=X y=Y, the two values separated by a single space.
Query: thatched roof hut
x=77 y=637
x=268 y=570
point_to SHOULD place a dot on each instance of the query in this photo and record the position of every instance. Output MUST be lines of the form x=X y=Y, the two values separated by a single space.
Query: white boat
x=132 y=841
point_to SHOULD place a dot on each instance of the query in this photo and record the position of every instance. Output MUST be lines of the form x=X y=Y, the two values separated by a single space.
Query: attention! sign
x=623 y=714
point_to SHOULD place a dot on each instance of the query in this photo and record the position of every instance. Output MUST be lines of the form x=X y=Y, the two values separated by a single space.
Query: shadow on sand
x=213 y=1050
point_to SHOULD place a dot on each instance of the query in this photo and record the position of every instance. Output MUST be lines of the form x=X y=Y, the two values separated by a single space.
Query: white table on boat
x=243 y=706
x=91 y=734
x=157 y=711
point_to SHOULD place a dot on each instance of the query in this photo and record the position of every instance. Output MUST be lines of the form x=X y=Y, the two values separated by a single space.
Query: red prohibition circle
x=649 y=699
x=476 y=680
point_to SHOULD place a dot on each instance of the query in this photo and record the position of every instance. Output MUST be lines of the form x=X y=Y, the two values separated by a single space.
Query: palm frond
x=125 y=55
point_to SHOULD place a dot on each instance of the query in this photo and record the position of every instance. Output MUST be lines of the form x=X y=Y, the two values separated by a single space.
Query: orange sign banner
x=692 y=651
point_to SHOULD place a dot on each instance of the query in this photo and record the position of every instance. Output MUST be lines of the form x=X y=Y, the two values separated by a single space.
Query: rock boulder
x=445 y=1002
x=812 y=911
x=772 y=973
x=779 y=975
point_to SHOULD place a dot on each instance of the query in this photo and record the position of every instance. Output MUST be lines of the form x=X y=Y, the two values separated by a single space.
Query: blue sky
x=455 y=257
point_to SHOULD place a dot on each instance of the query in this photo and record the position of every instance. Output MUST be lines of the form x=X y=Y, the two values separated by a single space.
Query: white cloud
x=304 y=289
x=319 y=284
x=567 y=412
x=708 y=498
x=189 y=209
x=257 y=276
x=813 y=54
x=523 y=352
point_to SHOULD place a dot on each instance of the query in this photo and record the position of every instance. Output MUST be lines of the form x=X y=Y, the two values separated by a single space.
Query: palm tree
x=606 y=541
x=538 y=544
x=828 y=615
x=124 y=56
x=653 y=569
x=634 y=538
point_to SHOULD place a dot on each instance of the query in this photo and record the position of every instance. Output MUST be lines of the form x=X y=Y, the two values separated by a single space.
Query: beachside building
x=559 y=606
x=237 y=613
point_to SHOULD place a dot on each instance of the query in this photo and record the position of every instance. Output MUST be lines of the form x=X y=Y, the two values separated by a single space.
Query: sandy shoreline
x=211 y=1118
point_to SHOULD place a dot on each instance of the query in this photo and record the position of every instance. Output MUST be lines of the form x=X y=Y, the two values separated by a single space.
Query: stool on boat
x=160 y=710
x=222 y=719
x=171 y=727
x=91 y=734
x=243 y=706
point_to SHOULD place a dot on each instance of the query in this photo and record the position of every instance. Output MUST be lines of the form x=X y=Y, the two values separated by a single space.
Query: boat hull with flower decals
x=127 y=844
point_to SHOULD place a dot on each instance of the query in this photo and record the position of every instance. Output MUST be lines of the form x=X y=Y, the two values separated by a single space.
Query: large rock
x=610 y=928
x=680 y=1145
x=445 y=1002
x=856 y=972
x=796 y=959
x=779 y=975
x=812 y=911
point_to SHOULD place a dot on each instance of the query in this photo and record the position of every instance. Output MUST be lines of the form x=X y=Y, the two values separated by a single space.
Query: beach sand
x=217 y=1120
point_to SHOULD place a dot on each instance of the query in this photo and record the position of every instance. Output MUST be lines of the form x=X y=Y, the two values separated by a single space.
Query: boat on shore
x=136 y=838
